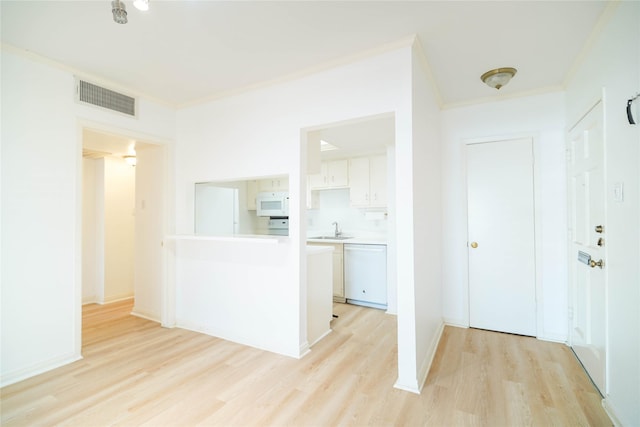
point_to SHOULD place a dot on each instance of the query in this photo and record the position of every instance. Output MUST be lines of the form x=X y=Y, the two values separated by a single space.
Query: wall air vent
x=105 y=98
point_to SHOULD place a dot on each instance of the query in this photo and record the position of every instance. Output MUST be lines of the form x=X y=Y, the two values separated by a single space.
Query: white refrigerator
x=216 y=210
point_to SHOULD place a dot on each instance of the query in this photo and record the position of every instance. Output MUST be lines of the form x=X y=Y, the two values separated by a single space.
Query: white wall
x=89 y=232
x=427 y=218
x=542 y=118
x=613 y=64
x=258 y=133
x=119 y=227
x=42 y=210
x=108 y=224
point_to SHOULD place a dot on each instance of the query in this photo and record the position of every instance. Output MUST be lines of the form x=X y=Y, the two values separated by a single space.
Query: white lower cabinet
x=365 y=275
x=338 y=270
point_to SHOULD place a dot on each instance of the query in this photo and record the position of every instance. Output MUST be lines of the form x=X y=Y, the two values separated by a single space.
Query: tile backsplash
x=333 y=205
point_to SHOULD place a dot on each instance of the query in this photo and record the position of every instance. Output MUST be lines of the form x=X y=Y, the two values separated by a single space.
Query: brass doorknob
x=595 y=264
x=474 y=245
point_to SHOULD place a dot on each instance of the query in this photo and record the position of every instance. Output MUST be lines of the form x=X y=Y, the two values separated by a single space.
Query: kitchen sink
x=331 y=238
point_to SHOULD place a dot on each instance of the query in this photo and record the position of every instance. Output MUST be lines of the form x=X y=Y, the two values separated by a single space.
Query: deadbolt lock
x=599 y=229
x=474 y=245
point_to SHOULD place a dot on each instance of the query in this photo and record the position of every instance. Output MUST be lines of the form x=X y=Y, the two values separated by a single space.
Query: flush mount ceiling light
x=498 y=77
x=119 y=11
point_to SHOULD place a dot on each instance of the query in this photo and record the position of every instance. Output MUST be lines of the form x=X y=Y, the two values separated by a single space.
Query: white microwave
x=272 y=204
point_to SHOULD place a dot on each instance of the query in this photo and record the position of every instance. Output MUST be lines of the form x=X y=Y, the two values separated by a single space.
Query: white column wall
x=613 y=66
x=427 y=221
x=542 y=118
x=258 y=133
x=42 y=210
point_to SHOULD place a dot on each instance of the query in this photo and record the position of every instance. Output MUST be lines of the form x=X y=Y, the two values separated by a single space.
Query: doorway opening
x=350 y=201
x=123 y=213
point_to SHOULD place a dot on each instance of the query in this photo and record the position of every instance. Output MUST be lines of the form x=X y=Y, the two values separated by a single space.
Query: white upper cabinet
x=252 y=194
x=368 y=181
x=378 y=181
x=359 y=181
x=333 y=174
x=274 y=184
x=254 y=186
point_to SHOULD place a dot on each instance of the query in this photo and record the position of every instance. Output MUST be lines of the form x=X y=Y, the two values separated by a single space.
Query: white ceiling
x=181 y=52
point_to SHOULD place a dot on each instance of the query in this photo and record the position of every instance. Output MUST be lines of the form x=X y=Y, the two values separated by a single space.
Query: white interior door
x=501 y=236
x=587 y=239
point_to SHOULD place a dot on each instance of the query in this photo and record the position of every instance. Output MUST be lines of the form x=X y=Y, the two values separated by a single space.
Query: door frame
x=167 y=287
x=537 y=220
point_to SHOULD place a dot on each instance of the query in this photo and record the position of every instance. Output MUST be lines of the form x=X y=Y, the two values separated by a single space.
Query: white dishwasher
x=365 y=275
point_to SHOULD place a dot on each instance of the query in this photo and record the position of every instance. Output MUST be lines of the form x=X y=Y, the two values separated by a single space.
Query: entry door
x=588 y=239
x=501 y=244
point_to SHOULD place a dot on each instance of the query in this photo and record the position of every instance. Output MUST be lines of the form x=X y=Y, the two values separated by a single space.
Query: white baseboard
x=425 y=366
x=415 y=389
x=428 y=360
x=611 y=412
x=320 y=337
x=559 y=338
x=37 y=369
x=117 y=298
x=304 y=349
x=149 y=316
x=456 y=322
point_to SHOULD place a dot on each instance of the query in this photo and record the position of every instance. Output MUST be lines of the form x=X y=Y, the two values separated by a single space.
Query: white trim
x=147 y=316
x=318 y=339
x=423 y=372
x=608 y=408
x=456 y=323
x=346 y=60
x=304 y=349
x=38 y=368
x=117 y=299
x=167 y=295
x=559 y=338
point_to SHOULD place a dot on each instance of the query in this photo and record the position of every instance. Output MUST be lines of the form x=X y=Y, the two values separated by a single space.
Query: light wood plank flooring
x=137 y=373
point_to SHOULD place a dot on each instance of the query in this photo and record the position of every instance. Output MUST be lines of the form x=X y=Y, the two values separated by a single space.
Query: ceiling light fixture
x=141 y=4
x=498 y=77
x=119 y=11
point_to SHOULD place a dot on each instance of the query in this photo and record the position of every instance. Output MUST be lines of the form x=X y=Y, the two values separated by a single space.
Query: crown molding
x=603 y=20
x=327 y=65
x=498 y=98
x=426 y=67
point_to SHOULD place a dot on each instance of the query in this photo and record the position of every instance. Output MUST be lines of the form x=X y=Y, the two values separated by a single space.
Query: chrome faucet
x=337 y=232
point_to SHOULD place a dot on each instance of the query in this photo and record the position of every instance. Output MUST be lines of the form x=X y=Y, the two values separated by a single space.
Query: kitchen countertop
x=354 y=240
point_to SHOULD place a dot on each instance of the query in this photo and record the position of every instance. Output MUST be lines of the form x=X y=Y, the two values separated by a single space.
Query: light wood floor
x=137 y=373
